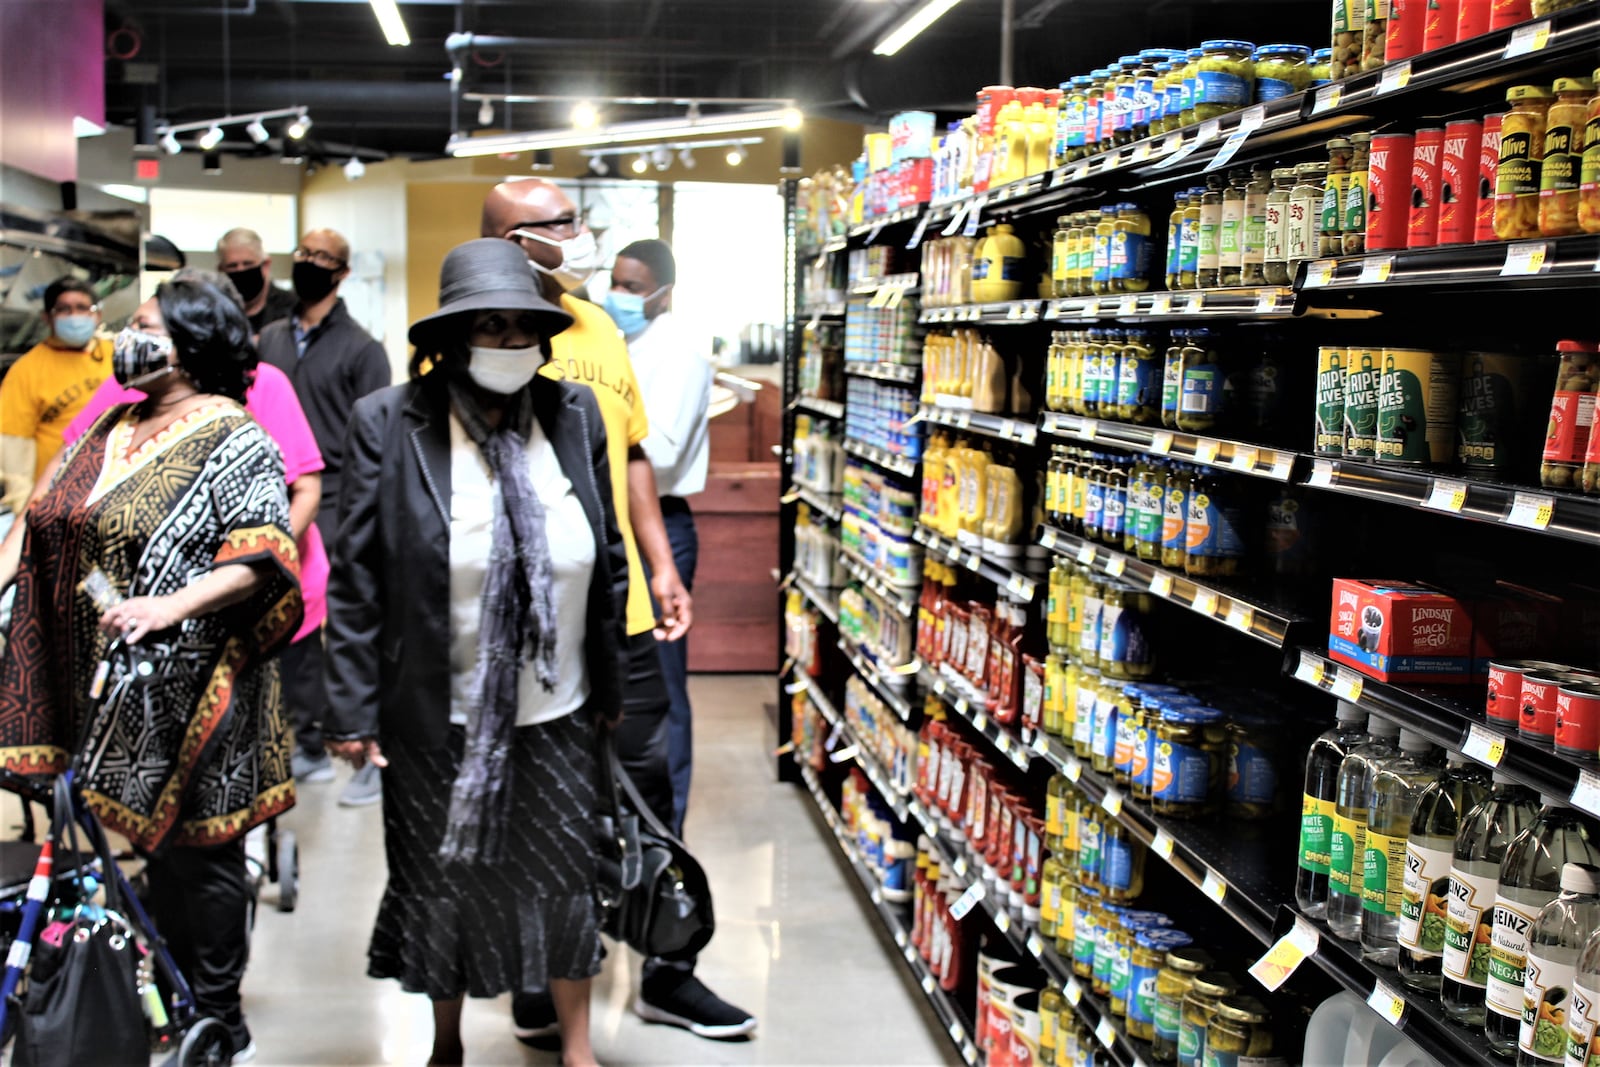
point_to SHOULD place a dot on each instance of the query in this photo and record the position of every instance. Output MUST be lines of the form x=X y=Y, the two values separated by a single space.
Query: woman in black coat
x=475 y=618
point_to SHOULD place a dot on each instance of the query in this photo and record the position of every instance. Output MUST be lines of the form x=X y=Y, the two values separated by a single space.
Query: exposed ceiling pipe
x=1008 y=21
x=458 y=45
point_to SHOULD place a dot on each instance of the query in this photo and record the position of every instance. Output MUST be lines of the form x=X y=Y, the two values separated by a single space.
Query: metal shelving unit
x=892 y=462
x=1011 y=575
x=1240 y=457
x=1002 y=427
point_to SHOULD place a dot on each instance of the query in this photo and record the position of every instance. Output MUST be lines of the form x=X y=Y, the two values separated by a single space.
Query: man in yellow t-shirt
x=47 y=386
x=542 y=220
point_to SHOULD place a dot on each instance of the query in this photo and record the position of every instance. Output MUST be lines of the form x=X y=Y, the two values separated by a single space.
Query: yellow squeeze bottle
x=950 y=491
x=1041 y=132
x=1010 y=144
x=988 y=380
x=998 y=266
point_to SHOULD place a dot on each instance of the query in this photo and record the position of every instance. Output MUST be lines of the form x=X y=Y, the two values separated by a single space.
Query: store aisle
x=794 y=944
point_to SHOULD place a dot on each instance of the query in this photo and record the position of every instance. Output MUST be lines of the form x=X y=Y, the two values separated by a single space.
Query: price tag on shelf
x=1205 y=450
x=1213 y=886
x=1074 y=992
x=1194 y=304
x=1395 y=76
x=1041 y=744
x=1446 y=494
x=1321 y=473
x=1048 y=538
x=1282 y=464
x=1161 y=584
x=799 y=685
x=1586 y=794
x=1014 y=312
x=1088 y=428
x=1347 y=685
x=1162 y=304
x=939 y=686
x=880 y=298
x=957 y=1034
x=1527 y=38
x=1319 y=273
x=1116 y=565
x=1161 y=443
x=1327 y=98
x=1129 y=305
x=1531 y=510
x=1387 y=1003
x=1074 y=768
x=1375 y=270
x=1076 y=173
x=1105 y=1032
x=1484 y=745
x=1086 y=553
x=1241 y=616
x=927 y=983
x=967 y=901
x=1249 y=123
x=1244 y=459
x=1286 y=955
x=1267 y=302
x=980 y=721
x=1112 y=801
x=975 y=216
x=962 y=420
x=1020 y=587
x=962 y=707
x=846 y=754
x=1035 y=946
x=1002 y=921
x=1205 y=601
x=1142 y=151
x=900 y=938
x=1524 y=258
x=916 y=234
x=1310 y=668
x=1163 y=844
x=1090 y=309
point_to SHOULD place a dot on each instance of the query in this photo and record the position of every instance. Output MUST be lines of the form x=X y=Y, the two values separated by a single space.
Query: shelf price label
x=980 y=721
x=1162 y=304
x=1206 y=450
x=1395 y=76
x=1161 y=443
x=1213 y=886
x=967 y=901
x=1319 y=273
x=1241 y=616
x=1528 y=38
x=927 y=983
x=846 y=754
x=1161 y=584
x=1524 y=258
x=1163 y=844
x=1267 y=302
x=975 y=216
x=1586 y=794
x=1048 y=538
x=1376 y=270
x=1327 y=98
x=1116 y=565
x=1074 y=992
x=1090 y=309
x=1531 y=510
x=1347 y=685
x=1446 y=494
x=800 y=685
x=1282 y=464
x=1020 y=587
x=1244 y=459
x=1112 y=801
x=1484 y=745
x=1194 y=304
x=1309 y=669
x=1086 y=554
x=1321 y=474
x=1205 y=601
x=1074 y=768
x=1035 y=946
x=1106 y=1032
x=1286 y=955
x=1129 y=305
x=1249 y=123
x=1387 y=1003
x=1041 y=744
x=916 y=234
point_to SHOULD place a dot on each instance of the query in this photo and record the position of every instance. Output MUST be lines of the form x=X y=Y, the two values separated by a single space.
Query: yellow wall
x=439 y=216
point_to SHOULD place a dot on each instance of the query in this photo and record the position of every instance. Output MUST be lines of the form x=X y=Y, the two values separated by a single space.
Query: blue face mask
x=74 y=330
x=627 y=311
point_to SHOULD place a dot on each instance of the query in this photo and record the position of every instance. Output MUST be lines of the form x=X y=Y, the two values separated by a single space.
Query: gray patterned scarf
x=518 y=622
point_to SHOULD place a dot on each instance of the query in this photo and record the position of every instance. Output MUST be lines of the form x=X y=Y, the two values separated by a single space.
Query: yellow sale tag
x=1205 y=451
x=1161 y=443
x=1241 y=616
x=1205 y=602
x=1286 y=955
x=1309 y=669
x=1387 y=1003
x=1163 y=844
x=1213 y=886
x=1484 y=745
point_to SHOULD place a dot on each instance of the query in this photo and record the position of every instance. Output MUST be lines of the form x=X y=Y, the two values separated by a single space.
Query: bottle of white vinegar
x=1430 y=848
x=1583 y=1018
x=1351 y=806
x=1316 y=807
x=1554 y=945
x=1397 y=785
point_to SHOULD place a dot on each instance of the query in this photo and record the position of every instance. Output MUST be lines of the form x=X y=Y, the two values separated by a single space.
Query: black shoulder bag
x=654 y=896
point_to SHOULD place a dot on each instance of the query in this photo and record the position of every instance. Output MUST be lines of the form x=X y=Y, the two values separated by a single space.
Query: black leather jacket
x=388 y=636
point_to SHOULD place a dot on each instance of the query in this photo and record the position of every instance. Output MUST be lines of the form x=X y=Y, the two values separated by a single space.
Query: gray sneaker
x=318 y=768
x=366 y=787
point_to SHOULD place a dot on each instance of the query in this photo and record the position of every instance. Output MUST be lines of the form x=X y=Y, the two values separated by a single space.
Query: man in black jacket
x=333 y=363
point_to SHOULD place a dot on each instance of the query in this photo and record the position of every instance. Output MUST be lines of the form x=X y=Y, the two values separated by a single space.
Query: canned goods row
x=1550 y=704
x=880 y=414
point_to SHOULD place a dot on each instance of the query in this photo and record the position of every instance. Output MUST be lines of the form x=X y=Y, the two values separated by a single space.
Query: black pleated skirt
x=448 y=929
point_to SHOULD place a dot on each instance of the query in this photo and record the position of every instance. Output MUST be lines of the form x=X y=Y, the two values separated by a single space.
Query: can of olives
x=1387 y=190
x=1488 y=176
x=1458 y=184
x=1540 y=690
x=1488 y=422
x=1417 y=406
x=1578 y=721
x=1505 y=687
x=1330 y=400
x=1361 y=373
x=1422 y=228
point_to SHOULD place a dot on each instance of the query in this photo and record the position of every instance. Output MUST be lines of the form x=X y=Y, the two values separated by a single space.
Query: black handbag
x=82 y=1003
x=654 y=896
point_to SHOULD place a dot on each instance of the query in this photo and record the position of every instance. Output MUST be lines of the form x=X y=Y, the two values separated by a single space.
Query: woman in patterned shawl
x=175 y=510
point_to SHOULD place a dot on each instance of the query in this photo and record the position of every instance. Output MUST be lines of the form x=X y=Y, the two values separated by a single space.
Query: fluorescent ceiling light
x=621 y=132
x=792 y=118
x=82 y=127
x=211 y=138
x=584 y=115
x=137 y=193
x=393 y=26
x=915 y=23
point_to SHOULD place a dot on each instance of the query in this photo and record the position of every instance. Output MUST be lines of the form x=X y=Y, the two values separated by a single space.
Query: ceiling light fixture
x=169 y=143
x=735 y=156
x=621 y=132
x=640 y=165
x=355 y=170
x=600 y=166
x=686 y=158
x=297 y=128
x=584 y=115
x=389 y=20
x=211 y=138
x=914 y=24
x=258 y=133
x=485 y=114
x=792 y=118
x=662 y=158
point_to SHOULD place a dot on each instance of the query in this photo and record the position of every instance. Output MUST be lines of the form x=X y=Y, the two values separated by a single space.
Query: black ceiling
x=196 y=59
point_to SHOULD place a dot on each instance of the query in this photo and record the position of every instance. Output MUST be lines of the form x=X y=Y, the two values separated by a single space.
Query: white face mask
x=580 y=258
x=504 y=370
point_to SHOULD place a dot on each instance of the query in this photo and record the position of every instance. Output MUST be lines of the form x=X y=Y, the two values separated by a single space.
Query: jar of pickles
x=1516 y=190
x=1146 y=961
x=1253 y=237
x=1176 y=978
x=1086 y=917
x=1230 y=239
x=1187 y=771
x=1130 y=250
x=1224 y=78
x=1191 y=87
x=1175 y=517
x=1061 y=257
x=1559 y=175
x=1202 y=383
x=1281 y=70
x=1139 y=381
x=1214 y=528
x=1180 y=202
x=1129 y=925
x=1275 y=259
x=1238 y=1031
x=1208 y=270
x=1121 y=864
x=1252 y=767
x=1199 y=1009
x=1353 y=238
x=1321 y=67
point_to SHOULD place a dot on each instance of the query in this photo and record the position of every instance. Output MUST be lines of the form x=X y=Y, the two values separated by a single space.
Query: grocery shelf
x=1267 y=302
x=889 y=461
x=879 y=678
x=820 y=600
x=824 y=503
x=833 y=309
x=874 y=226
x=951 y=1018
x=1567 y=515
x=833 y=409
x=1009 y=575
x=1453 y=717
x=1243 y=612
x=901 y=373
x=962 y=698
x=1544 y=263
x=1240 y=457
x=899 y=599
x=995 y=314
x=1004 y=427
x=903 y=806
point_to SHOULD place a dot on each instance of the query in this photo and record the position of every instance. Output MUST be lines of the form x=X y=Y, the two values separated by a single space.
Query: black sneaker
x=689 y=1004
x=533 y=1020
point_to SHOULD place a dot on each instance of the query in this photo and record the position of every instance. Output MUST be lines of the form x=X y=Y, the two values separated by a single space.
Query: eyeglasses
x=570 y=223
x=64 y=309
x=317 y=256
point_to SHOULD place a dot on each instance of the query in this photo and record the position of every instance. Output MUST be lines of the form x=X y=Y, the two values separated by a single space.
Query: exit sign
x=147 y=170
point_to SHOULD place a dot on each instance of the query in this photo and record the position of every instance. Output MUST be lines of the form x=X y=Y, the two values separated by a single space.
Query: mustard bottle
x=998 y=266
x=987 y=384
x=1041 y=134
x=949 y=487
x=1010 y=142
x=1007 y=522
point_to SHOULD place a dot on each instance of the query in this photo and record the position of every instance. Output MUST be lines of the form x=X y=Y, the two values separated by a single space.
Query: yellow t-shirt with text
x=592 y=352
x=45 y=389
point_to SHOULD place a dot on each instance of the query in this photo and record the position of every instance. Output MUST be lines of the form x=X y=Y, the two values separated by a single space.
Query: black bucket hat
x=483 y=274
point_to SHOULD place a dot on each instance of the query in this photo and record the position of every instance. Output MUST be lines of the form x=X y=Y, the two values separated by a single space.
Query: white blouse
x=472 y=501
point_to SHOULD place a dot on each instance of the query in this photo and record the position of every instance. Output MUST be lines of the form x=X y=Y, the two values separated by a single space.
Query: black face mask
x=249 y=282
x=311 y=282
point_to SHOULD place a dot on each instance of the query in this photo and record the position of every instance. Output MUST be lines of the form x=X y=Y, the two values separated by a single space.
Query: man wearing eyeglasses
x=333 y=363
x=48 y=385
x=542 y=220
x=243 y=258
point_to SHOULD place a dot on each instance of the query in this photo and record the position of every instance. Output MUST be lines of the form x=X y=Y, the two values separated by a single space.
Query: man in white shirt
x=675 y=379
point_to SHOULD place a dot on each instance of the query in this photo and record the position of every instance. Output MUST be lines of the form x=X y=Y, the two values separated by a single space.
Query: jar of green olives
x=1224 y=79
x=1184 y=963
x=1238 y=1029
x=1199 y=1009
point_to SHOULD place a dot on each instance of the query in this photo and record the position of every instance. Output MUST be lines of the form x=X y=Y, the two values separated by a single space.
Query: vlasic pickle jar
x=1224 y=78
x=1182 y=966
x=1150 y=948
x=1239 y=1033
x=1188 y=761
x=1252 y=767
x=1199 y=1009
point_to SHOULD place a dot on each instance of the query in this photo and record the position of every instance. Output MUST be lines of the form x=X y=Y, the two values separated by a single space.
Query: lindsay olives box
x=1514 y=622
x=1400 y=631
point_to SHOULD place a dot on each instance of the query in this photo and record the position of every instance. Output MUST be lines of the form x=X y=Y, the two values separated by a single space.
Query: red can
x=1422 y=229
x=1505 y=687
x=1441 y=26
x=1504 y=14
x=1578 y=721
x=1403 y=38
x=1539 y=692
x=1458 y=183
x=1472 y=19
x=1386 y=191
x=1488 y=170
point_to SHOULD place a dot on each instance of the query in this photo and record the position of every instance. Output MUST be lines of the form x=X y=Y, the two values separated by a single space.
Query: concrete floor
x=794 y=945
